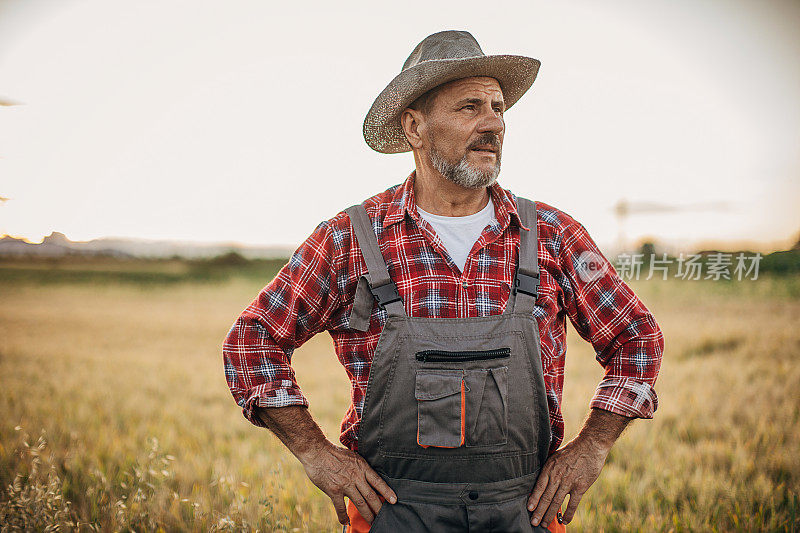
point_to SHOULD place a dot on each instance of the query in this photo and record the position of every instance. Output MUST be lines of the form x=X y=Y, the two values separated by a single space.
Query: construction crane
x=8 y=102
x=624 y=208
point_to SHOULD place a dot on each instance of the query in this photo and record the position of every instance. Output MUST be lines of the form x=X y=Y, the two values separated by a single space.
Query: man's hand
x=339 y=472
x=573 y=468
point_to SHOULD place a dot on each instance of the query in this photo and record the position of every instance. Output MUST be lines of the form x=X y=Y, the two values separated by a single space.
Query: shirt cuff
x=626 y=396
x=281 y=393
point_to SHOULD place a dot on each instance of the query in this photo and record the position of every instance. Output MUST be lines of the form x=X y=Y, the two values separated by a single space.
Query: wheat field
x=115 y=414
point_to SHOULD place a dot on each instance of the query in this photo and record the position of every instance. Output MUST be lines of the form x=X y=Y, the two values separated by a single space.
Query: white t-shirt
x=459 y=233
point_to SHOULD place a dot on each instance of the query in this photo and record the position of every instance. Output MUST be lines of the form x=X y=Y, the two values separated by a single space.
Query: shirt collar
x=403 y=200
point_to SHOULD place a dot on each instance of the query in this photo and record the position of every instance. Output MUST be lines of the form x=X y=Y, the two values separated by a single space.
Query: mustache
x=486 y=138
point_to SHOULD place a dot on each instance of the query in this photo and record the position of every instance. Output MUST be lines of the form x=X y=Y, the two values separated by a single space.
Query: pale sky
x=241 y=120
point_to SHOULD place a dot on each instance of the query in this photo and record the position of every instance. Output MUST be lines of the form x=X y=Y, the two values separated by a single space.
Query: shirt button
x=465 y=284
x=473 y=495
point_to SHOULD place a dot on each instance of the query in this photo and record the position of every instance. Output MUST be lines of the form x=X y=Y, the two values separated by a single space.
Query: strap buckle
x=529 y=284
x=385 y=294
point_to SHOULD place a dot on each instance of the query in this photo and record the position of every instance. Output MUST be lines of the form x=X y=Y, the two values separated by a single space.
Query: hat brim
x=382 y=129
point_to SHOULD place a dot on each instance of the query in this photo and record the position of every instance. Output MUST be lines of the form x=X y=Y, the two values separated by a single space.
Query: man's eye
x=469 y=106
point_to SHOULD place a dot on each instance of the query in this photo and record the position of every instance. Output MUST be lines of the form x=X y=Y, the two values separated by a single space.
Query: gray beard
x=462 y=173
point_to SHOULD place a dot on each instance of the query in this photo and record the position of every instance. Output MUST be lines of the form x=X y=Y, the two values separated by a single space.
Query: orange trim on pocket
x=463 y=411
x=418 y=442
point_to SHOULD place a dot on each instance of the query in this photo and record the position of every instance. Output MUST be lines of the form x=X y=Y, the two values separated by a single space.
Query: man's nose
x=491 y=121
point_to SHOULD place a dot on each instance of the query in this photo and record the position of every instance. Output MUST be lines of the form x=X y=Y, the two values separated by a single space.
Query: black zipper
x=441 y=356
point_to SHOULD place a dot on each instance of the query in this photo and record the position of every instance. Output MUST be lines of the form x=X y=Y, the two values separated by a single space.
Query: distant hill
x=57 y=244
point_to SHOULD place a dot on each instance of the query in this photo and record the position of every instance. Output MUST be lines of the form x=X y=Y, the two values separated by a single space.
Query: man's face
x=463 y=131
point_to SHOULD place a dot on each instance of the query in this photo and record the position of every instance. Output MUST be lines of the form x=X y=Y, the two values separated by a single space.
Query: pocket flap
x=500 y=376
x=435 y=384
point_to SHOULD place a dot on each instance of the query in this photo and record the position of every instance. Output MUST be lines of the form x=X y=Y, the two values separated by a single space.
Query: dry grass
x=125 y=386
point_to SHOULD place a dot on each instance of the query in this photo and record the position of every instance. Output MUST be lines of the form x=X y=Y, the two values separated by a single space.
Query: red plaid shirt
x=314 y=291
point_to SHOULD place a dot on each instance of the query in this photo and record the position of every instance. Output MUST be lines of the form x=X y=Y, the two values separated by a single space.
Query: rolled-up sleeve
x=626 y=338
x=292 y=308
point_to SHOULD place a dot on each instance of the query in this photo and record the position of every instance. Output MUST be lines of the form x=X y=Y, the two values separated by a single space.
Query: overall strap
x=376 y=284
x=526 y=278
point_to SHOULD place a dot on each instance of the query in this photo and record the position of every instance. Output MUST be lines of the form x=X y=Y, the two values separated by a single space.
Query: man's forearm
x=295 y=428
x=603 y=428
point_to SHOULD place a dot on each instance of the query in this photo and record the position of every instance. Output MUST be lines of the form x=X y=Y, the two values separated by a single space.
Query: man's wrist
x=294 y=427
x=308 y=454
x=602 y=429
x=599 y=446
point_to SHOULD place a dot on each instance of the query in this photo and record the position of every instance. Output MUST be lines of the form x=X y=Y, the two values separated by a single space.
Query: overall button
x=473 y=495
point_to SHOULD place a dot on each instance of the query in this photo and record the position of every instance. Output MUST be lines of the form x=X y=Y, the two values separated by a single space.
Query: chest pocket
x=486 y=409
x=441 y=406
x=462 y=407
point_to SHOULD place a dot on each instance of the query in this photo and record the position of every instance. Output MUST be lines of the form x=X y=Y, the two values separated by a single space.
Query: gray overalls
x=455 y=416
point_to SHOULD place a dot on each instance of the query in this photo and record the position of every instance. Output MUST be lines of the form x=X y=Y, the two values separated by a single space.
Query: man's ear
x=411 y=122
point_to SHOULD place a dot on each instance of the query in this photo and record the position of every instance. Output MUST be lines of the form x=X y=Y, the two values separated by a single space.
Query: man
x=446 y=299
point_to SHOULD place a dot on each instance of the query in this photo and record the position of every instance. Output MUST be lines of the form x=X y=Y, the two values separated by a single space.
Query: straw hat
x=439 y=58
